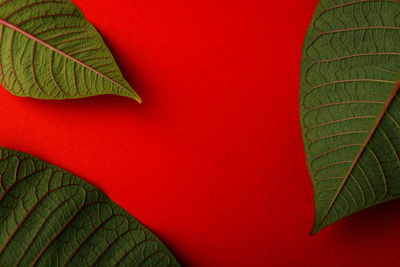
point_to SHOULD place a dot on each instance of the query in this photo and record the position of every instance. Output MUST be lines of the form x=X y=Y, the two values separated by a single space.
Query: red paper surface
x=212 y=161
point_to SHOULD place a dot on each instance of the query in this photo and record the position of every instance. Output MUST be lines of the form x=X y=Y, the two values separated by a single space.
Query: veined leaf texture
x=350 y=106
x=48 y=50
x=49 y=217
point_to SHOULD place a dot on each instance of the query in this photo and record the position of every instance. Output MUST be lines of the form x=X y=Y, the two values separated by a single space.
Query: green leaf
x=49 y=51
x=49 y=217
x=350 y=106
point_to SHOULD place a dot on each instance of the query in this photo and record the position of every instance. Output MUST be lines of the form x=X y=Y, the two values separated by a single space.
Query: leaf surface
x=350 y=106
x=48 y=50
x=49 y=217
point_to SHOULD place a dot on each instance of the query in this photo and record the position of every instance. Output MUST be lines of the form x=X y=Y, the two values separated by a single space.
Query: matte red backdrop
x=212 y=161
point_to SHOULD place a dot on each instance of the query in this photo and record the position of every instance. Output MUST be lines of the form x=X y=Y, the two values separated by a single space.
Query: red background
x=212 y=161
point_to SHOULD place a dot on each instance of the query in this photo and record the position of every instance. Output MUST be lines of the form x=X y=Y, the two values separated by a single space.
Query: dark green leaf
x=49 y=217
x=49 y=51
x=350 y=106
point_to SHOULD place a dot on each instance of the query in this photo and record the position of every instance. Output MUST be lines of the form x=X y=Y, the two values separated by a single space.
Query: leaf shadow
x=379 y=219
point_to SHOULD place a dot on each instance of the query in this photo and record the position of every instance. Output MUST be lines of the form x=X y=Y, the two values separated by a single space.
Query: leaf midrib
x=30 y=36
x=363 y=147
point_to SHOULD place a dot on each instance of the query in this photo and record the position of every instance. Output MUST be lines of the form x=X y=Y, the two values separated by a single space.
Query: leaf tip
x=138 y=99
x=318 y=225
x=132 y=94
x=313 y=232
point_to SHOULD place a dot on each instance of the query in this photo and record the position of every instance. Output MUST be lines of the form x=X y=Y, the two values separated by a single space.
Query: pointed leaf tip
x=314 y=231
x=138 y=99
